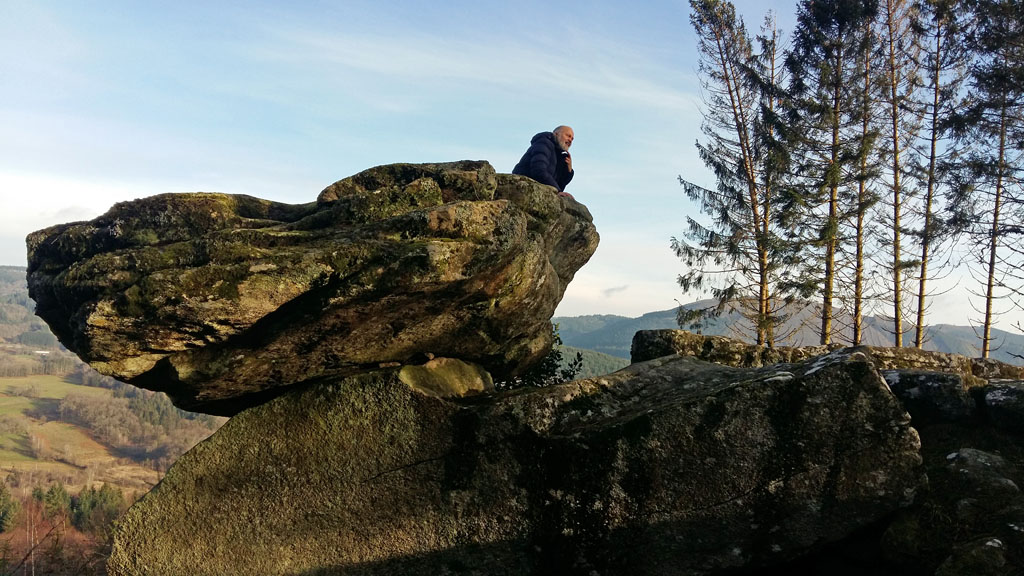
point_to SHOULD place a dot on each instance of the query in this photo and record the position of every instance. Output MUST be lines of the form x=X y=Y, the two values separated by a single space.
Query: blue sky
x=109 y=101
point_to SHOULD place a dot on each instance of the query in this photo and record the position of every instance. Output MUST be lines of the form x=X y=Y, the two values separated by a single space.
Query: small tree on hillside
x=56 y=502
x=93 y=511
x=10 y=507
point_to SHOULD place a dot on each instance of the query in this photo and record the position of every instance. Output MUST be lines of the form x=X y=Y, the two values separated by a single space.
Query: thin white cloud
x=610 y=74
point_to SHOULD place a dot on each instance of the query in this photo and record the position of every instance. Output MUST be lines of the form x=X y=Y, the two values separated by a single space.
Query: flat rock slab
x=669 y=467
x=223 y=301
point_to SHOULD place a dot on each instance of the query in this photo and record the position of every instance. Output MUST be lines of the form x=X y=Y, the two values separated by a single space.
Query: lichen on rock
x=673 y=466
x=224 y=301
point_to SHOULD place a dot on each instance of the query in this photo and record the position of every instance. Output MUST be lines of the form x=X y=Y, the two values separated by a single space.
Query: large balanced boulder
x=222 y=301
x=668 y=467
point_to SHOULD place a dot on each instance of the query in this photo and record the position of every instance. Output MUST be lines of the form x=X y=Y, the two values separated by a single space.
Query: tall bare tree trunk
x=858 y=274
x=929 y=198
x=986 y=338
x=832 y=232
x=765 y=311
x=897 y=192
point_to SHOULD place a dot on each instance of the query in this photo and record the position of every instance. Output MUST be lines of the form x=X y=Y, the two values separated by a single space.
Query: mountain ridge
x=609 y=334
x=613 y=334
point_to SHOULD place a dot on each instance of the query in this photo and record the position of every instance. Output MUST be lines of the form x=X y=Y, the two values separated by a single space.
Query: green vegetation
x=593 y=363
x=56 y=501
x=553 y=369
x=857 y=161
x=93 y=511
x=46 y=530
x=9 y=509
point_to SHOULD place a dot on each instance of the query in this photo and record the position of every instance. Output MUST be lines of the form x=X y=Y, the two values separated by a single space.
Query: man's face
x=564 y=138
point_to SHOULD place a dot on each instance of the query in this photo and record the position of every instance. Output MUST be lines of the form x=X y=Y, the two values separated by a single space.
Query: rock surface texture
x=969 y=521
x=933 y=386
x=356 y=341
x=673 y=466
x=650 y=344
x=222 y=301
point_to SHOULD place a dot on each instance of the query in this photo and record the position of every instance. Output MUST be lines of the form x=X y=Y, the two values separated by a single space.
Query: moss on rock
x=673 y=466
x=223 y=301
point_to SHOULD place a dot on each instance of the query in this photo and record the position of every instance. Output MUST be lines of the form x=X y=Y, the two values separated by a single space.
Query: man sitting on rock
x=547 y=160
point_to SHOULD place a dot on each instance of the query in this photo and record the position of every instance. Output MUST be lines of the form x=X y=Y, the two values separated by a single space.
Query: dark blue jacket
x=544 y=161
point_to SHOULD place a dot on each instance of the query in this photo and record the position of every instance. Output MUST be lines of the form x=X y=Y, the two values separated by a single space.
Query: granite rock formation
x=223 y=301
x=650 y=344
x=969 y=412
x=354 y=340
x=933 y=386
x=672 y=466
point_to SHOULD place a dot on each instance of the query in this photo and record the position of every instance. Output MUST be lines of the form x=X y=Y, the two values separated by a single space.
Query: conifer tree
x=866 y=102
x=898 y=81
x=826 y=67
x=939 y=33
x=56 y=502
x=993 y=124
x=739 y=257
x=10 y=507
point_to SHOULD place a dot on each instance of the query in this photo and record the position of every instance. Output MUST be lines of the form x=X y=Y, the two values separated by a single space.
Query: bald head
x=563 y=136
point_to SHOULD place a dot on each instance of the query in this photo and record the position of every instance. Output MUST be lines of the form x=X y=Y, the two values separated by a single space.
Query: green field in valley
x=36 y=441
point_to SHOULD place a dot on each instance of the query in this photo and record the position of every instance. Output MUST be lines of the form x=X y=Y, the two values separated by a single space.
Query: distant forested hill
x=138 y=424
x=18 y=322
x=610 y=334
x=613 y=335
x=594 y=363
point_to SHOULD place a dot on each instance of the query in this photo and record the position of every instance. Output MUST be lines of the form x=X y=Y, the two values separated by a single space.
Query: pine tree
x=741 y=252
x=939 y=33
x=94 y=510
x=56 y=502
x=993 y=124
x=899 y=81
x=10 y=507
x=866 y=103
x=826 y=67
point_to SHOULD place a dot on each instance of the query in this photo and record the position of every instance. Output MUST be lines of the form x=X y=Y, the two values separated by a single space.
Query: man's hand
x=568 y=162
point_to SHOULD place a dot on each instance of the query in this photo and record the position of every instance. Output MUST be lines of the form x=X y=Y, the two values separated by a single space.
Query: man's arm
x=564 y=175
x=541 y=169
